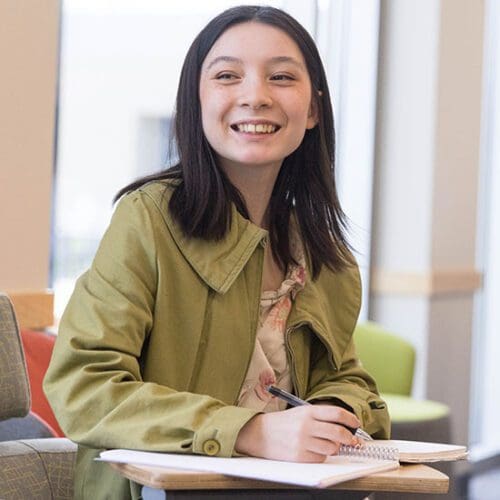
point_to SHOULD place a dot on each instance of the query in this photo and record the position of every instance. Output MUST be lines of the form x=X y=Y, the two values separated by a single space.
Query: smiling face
x=255 y=95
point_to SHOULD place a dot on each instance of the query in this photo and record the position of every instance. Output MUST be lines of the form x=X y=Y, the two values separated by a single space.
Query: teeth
x=260 y=128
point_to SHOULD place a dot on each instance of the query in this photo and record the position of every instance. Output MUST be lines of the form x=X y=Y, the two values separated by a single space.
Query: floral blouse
x=269 y=363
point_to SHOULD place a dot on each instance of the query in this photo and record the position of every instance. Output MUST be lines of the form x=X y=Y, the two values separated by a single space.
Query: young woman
x=222 y=275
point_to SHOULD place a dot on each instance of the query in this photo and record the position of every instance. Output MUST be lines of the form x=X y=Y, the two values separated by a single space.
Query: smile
x=255 y=128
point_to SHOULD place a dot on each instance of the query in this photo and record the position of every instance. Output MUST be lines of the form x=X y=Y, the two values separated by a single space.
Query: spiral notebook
x=415 y=451
x=351 y=463
x=335 y=469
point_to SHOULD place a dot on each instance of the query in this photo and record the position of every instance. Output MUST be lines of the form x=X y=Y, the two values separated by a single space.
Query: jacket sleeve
x=349 y=386
x=94 y=382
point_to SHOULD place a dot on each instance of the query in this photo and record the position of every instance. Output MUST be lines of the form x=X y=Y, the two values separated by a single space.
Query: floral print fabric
x=269 y=363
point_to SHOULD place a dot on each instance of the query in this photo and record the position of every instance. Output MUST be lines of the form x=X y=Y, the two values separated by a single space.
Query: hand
x=307 y=433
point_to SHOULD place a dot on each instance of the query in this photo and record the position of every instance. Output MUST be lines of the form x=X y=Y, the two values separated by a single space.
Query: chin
x=257 y=161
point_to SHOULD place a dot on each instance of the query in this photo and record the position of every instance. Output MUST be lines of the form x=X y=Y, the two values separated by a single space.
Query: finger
x=333 y=432
x=336 y=414
x=323 y=447
x=359 y=441
x=308 y=456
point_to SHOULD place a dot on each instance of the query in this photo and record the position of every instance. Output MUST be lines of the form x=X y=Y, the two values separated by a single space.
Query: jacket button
x=211 y=447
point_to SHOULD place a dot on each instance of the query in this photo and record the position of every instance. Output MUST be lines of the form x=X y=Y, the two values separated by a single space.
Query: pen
x=295 y=401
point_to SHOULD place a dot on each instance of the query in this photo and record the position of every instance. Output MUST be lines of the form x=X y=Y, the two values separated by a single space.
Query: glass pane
x=119 y=68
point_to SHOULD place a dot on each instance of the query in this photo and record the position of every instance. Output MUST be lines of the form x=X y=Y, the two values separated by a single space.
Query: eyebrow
x=272 y=60
x=224 y=59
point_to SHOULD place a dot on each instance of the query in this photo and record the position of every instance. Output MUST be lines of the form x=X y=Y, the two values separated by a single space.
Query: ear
x=312 y=117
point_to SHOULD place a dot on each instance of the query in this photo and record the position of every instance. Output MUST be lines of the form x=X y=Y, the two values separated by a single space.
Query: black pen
x=295 y=401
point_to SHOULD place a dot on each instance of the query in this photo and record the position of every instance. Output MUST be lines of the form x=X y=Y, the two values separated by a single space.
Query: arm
x=310 y=433
x=94 y=382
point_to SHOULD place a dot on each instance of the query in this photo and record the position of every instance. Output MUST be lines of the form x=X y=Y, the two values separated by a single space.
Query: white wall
x=28 y=64
x=427 y=167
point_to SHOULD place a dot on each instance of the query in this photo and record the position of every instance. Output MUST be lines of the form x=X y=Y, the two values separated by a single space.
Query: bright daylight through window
x=119 y=65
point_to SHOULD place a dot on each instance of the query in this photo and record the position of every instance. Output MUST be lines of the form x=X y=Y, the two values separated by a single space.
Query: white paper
x=420 y=451
x=334 y=470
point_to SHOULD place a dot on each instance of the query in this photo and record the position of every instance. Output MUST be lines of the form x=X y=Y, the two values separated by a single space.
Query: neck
x=256 y=186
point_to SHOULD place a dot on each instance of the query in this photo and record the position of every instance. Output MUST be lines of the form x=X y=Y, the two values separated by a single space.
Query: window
x=120 y=62
x=348 y=39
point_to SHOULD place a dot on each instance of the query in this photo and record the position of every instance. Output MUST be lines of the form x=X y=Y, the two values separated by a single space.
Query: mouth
x=255 y=128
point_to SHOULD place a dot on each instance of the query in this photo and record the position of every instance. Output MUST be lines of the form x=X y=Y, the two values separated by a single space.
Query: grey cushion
x=28 y=427
x=14 y=385
x=37 y=468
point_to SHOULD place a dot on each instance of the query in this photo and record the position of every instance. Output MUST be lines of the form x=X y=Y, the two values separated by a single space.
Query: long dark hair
x=201 y=201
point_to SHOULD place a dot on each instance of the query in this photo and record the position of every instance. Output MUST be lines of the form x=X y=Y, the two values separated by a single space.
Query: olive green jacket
x=155 y=343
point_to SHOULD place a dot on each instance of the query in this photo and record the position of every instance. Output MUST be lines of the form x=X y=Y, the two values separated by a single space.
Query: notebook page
x=333 y=471
x=420 y=451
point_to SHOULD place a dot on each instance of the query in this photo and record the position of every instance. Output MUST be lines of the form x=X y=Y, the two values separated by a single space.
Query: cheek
x=300 y=117
x=205 y=103
x=212 y=108
x=207 y=119
x=299 y=107
x=300 y=114
x=210 y=122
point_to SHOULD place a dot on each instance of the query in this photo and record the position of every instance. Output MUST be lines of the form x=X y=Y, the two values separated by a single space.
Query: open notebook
x=415 y=451
x=335 y=469
x=378 y=456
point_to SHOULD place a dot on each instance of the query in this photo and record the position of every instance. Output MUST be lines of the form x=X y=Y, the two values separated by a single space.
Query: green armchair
x=390 y=359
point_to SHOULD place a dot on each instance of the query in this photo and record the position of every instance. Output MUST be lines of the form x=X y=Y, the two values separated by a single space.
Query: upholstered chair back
x=29 y=468
x=14 y=385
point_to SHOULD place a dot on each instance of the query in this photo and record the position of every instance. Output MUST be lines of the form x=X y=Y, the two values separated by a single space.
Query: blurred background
x=87 y=95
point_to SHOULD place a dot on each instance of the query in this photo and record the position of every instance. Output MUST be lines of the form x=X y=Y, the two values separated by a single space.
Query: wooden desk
x=416 y=478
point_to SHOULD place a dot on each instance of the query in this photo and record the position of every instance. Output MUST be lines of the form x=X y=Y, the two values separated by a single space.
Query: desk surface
x=416 y=478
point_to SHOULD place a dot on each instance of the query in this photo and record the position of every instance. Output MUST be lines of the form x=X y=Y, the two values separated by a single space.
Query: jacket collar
x=329 y=305
x=218 y=263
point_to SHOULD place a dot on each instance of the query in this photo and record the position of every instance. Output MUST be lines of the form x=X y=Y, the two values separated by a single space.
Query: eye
x=226 y=76
x=282 y=77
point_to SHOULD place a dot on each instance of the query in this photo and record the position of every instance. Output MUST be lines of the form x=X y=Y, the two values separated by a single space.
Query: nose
x=255 y=94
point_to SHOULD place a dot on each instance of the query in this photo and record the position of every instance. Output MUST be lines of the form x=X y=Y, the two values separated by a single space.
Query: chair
x=38 y=346
x=391 y=360
x=29 y=468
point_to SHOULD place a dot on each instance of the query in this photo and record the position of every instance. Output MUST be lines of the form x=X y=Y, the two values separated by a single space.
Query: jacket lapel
x=218 y=263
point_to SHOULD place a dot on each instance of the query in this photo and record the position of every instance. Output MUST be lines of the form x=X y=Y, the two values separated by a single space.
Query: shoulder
x=348 y=275
x=159 y=189
x=157 y=192
x=149 y=201
x=139 y=218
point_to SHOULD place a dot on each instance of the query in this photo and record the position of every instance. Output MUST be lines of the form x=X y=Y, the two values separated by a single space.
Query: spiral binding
x=372 y=452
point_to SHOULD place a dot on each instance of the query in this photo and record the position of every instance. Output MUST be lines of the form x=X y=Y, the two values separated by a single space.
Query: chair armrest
x=37 y=468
